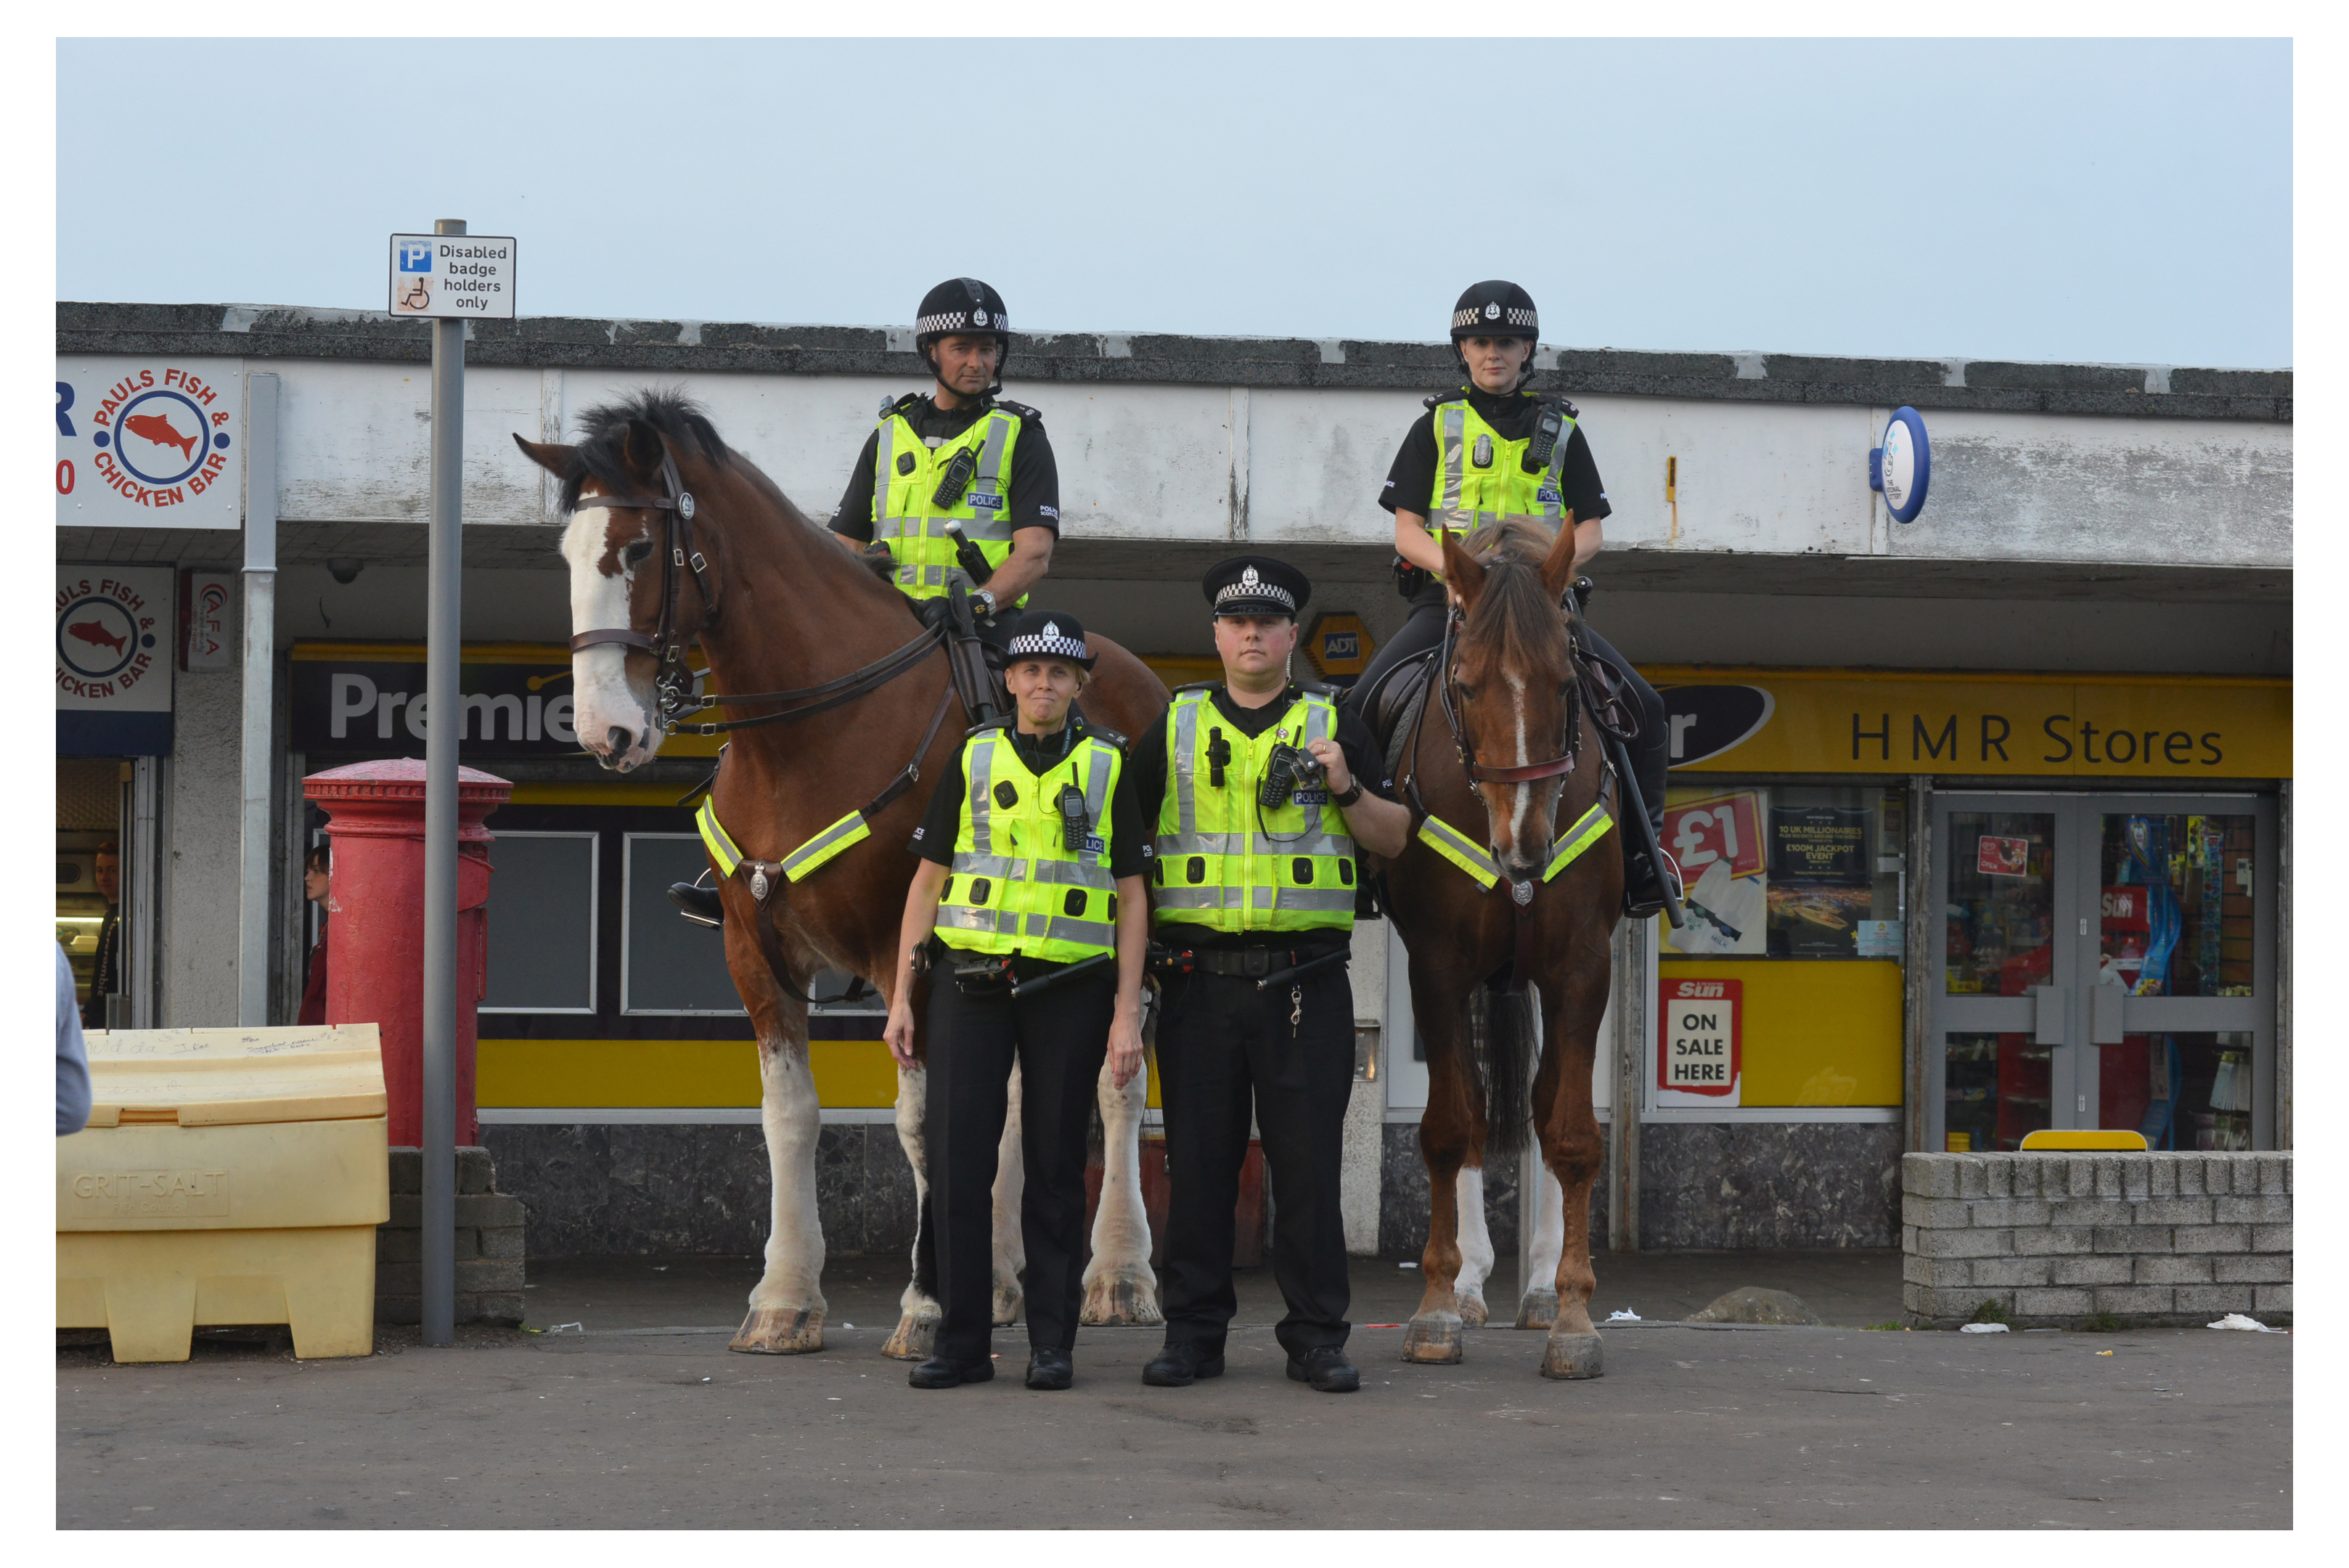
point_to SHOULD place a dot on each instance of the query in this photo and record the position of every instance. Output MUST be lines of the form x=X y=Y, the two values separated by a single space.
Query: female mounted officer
x=1031 y=916
x=1491 y=451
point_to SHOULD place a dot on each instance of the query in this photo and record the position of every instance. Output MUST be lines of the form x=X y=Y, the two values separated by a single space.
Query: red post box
x=375 y=815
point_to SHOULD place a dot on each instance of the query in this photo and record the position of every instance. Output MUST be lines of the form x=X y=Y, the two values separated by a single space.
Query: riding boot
x=1644 y=883
x=698 y=904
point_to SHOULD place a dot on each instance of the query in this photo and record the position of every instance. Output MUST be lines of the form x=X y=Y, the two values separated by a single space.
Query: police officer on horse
x=1492 y=451
x=1260 y=790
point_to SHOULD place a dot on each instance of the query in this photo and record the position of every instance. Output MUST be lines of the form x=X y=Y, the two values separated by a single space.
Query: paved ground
x=1703 y=1428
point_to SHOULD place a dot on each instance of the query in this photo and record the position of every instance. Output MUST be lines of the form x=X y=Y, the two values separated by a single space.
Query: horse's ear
x=550 y=455
x=642 y=447
x=1463 y=571
x=1557 y=567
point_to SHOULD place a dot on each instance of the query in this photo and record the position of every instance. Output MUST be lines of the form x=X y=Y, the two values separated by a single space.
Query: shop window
x=1995 y=1089
x=542 y=923
x=2002 y=909
x=667 y=964
x=2177 y=904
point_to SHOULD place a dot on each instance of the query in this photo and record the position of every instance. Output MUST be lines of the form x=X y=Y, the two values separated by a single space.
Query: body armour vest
x=908 y=517
x=1480 y=478
x=1030 y=874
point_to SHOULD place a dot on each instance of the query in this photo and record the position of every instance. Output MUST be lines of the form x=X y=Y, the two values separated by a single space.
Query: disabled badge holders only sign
x=1700 y=1058
x=461 y=276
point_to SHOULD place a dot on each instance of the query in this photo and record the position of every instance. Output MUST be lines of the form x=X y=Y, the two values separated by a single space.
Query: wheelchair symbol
x=416 y=255
x=416 y=297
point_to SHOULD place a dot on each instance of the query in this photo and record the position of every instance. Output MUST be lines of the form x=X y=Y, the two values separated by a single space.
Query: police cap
x=1256 y=585
x=1048 y=634
x=1495 y=308
x=961 y=305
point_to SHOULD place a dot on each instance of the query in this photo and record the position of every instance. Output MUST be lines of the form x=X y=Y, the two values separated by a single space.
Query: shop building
x=1988 y=813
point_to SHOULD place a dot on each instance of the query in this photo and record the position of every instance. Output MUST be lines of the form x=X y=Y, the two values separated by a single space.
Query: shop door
x=2105 y=961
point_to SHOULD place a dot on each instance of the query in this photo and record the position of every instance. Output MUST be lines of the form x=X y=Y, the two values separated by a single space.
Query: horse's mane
x=601 y=453
x=1514 y=608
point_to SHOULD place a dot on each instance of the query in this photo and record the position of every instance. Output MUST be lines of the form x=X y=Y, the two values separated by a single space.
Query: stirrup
x=1644 y=898
x=696 y=903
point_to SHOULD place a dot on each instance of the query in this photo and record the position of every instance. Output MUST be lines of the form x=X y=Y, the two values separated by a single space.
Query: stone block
x=2267 y=1209
x=2110 y=1182
x=2218 y=1175
x=490 y=1274
x=2087 y=1212
x=2251 y=1269
x=2171 y=1211
x=397 y=1279
x=1929 y=1175
x=2053 y=1241
x=1972 y=1180
x=2011 y=1211
x=476 y=1209
x=2022 y=1176
x=394 y=1245
x=1963 y=1301
x=2271 y=1298
x=2188 y=1170
x=2170 y=1268
x=1964 y=1244
x=2271 y=1237
x=2089 y=1270
x=1998 y=1176
x=1938 y=1273
x=2213 y=1299
x=1938 y=1213
x=501 y=1241
x=2133 y=1238
x=498 y=1306
x=2080 y=1177
x=2054 y=1302
x=2161 y=1175
x=2134 y=1301
x=474 y=1171
x=2009 y=1272
x=2275 y=1174
x=2213 y=1239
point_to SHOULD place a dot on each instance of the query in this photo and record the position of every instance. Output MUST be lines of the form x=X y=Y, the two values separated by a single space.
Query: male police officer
x=1260 y=791
x=956 y=485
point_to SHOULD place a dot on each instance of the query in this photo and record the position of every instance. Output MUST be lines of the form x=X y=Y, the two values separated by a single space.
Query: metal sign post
x=449 y=282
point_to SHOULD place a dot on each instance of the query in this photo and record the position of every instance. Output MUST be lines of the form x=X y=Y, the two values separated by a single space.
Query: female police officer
x=1030 y=910
x=1493 y=450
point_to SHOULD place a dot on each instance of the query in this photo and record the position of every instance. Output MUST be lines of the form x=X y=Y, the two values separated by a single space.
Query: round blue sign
x=1903 y=465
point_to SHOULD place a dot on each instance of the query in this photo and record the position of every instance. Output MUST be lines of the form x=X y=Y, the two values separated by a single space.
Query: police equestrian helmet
x=963 y=306
x=1048 y=634
x=1495 y=308
x=1256 y=585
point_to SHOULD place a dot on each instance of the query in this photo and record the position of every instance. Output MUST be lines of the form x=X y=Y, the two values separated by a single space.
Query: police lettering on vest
x=1230 y=862
x=910 y=514
x=1481 y=477
x=1028 y=875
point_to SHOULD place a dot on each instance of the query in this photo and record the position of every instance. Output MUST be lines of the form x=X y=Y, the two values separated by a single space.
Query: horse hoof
x=1007 y=1303
x=1570 y=1357
x=779 y=1331
x=914 y=1340
x=1538 y=1310
x=1473 y=1312
x=1433 y=1338
x=1119 y=1302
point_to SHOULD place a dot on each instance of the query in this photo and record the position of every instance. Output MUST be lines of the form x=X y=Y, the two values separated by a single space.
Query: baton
x=1030 y=986
x=1307 y=967
x=1638 y=810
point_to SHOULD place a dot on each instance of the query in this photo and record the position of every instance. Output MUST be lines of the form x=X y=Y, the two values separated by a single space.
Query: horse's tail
x=1501 y=1043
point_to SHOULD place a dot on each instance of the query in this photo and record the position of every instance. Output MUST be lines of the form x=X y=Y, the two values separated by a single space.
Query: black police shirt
x=1035 y=490
x=1146 y=766
x=1411 y=480
x=1129 y=836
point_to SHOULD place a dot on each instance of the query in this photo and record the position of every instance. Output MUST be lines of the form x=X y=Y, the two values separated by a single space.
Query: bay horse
x=1505 y=749
x=673 y=539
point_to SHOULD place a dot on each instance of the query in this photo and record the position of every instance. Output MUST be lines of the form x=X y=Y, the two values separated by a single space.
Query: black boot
x=699 y=905
x=1049 y=1366
x=950 y=1372
x=1327 y=1369
x=1180 y=1366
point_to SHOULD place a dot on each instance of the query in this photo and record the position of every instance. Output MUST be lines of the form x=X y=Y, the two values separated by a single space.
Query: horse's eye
x=635 y=553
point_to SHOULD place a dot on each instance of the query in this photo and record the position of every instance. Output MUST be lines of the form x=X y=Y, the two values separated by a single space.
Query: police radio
x=1286 y=769
x=1220 y=757
x=955 y=478
x=1546 y=430
x=1074 y=824
x=973 y=559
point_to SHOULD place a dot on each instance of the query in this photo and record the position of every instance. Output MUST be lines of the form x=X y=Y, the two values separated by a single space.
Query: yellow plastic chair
x=2113 y=1141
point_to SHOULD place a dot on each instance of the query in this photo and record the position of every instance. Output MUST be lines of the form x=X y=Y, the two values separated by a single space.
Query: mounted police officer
x=1030 y=914
x=1492 y=451
x=956 y=485
x=1261 y=790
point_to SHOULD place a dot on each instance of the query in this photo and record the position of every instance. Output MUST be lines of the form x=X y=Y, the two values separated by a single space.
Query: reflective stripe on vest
x=1015 y=885
x=1465 y=497
x=1225 y=864
x=906 y=515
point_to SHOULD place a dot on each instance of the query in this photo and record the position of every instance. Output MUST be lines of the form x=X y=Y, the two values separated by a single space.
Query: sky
x=2071 y=200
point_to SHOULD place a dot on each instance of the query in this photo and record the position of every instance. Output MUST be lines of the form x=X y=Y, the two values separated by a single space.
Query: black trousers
x=1059 y=1038
x=1225 y=1048
x=1650 y=754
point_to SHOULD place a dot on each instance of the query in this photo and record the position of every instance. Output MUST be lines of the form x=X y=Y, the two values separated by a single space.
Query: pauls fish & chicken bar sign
x=114 y=649
x=149 y=443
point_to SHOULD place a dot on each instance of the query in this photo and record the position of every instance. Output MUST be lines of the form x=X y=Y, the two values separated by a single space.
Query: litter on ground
x=1981 y=1328
x=1623 y=1317
x=2237 y=1320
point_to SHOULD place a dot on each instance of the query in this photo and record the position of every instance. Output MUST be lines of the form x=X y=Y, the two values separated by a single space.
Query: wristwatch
x=989 y=595
x=1351 y=795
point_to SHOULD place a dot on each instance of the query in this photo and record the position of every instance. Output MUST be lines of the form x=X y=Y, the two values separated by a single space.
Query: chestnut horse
x=1504 y=750
x=776 y=602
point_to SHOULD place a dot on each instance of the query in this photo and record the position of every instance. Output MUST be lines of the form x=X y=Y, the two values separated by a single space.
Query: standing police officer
x=957 y=485
x=1493 y=450
x=1028 y=909
x=1261 y=791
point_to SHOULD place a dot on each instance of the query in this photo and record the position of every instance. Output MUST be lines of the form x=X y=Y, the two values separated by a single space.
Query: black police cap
x=1256 y=585
x=960 y=305
x=1048 y=634
x=1495 y=308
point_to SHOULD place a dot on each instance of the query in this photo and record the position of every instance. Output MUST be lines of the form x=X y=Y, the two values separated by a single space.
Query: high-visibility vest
x=1021 y=881
x=1480 y=474
x=1227 y=863
x=906 y=517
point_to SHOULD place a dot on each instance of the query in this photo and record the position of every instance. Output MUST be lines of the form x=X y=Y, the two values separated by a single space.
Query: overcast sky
x=2088 y=200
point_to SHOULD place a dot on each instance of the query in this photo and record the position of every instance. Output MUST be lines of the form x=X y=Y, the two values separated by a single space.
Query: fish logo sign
x=158 y=430
x=94 y=633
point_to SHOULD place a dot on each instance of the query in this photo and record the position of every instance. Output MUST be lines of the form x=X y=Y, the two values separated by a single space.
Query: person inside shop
x=1029 y=916
x=1493 y=450
x=955 y=485
x=73 y=1056
x=106 y=973
x=1260 y=789
x=317 y=885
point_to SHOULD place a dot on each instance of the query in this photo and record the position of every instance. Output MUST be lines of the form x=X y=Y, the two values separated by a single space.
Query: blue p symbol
x=416 y=255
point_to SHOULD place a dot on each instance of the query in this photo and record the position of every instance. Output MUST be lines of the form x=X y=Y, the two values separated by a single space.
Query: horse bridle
x=1479 y=773
x=675 y=681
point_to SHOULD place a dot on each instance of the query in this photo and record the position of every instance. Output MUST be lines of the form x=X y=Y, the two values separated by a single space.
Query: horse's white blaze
x=1525 y=791
x=788 y=1111
x=1549 y=1233
x=601 y=698
x=1476 y=1242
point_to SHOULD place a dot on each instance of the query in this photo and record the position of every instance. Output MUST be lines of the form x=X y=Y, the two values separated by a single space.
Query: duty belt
x=1255 y=963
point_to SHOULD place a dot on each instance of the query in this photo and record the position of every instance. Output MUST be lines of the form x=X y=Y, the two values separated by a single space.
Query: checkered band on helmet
x=960 y=305
x=1495 y=308
x=1250 y=587
x=1046 y=641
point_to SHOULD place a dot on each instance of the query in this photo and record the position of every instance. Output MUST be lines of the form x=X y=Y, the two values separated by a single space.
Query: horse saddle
x=1390 y=709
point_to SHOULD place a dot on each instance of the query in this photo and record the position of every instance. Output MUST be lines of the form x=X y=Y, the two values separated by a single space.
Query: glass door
x=2105 y=961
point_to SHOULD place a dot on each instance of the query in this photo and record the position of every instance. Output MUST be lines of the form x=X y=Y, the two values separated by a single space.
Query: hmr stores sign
x=114 y=660
x=149 y=443
x=1697 y=1045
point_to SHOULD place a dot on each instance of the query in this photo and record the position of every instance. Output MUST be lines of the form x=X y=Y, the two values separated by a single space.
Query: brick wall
x=489 y=1243
x=2055 y=1239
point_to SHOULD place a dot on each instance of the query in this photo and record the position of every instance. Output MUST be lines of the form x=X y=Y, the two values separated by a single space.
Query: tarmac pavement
x=651 y=1424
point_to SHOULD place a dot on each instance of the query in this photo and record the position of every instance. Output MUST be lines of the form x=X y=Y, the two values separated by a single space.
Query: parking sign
x=464 y=277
